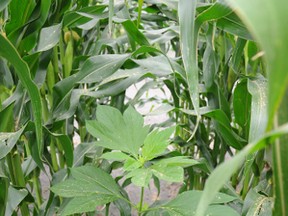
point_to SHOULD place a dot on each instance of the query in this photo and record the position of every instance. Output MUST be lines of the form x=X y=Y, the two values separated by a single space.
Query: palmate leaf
x=86 y=204
x=170 y=169
x=182 y=161
x=118 y=132
x=115 y=156
x=140 y=177
x=87 y=180
x=156 y=142
x=89 y=188
x=168 y=173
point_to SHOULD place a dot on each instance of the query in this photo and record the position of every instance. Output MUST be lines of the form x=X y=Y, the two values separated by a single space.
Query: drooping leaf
x=262 y=207
x=14 y=198
x=158 y=65
x=18 y=9
x=8 y=141
x=95 y=69
x=80 y=151
x=3 y=4
x=10 y=53
x=233 y=25
x=49 y=37
x=66 y=144
x=134 y=33
x=6 y=116
x=216 y=11
x=210 y=63
x=257 y=204
x=225 y=129
x=189 y=29
x=40 y=13
x=76 y=18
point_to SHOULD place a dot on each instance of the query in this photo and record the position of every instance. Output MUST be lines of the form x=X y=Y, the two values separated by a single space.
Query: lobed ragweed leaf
x=89 y=188
x=156 y=142
x=119 y=132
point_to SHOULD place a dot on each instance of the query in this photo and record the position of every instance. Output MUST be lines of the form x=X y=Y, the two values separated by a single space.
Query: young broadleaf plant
x=131 y=142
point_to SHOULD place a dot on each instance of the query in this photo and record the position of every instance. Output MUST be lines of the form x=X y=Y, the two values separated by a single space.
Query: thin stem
x=36 y=181
x=37 y=188
x=141 y=202
x=62 y=55
x=140 y=5
x=111 y=14
x=19 y=178
x=53 y=156
x=20 y=111
x=60 y=154
x=55 y=62
x=107 y=209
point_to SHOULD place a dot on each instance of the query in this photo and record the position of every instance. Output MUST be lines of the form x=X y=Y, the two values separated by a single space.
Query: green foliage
x=179 y=206
x=127 y=134
x=89 y=188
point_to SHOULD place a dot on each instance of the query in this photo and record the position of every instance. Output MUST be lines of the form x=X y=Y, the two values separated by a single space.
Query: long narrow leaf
x=268 y=25
x=223 y=172
x=10 y=53
x=188 y=38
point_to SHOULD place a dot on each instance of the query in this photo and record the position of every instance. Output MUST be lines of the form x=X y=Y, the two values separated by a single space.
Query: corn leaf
x=10 y=53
